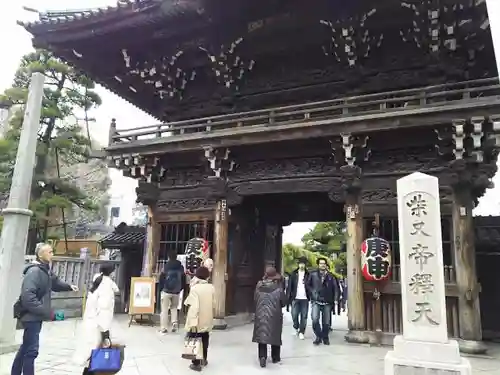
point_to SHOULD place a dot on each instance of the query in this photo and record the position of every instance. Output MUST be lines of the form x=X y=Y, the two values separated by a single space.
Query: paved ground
x=231 y=352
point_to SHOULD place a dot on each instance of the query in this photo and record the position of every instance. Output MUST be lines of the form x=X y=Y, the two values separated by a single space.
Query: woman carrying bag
x=97 y=318
x=199 y=319
x=268 y=322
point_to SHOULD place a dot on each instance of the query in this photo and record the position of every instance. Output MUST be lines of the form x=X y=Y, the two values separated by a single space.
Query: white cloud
x=16 y=43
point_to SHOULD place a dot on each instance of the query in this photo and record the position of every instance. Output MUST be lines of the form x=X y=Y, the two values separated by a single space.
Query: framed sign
x=142 y=296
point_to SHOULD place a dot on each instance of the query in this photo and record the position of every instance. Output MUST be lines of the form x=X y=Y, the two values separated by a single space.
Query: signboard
x=494 y=16
x=142 y=296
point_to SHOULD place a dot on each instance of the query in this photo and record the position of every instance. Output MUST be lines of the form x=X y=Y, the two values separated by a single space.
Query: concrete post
x=17 y=216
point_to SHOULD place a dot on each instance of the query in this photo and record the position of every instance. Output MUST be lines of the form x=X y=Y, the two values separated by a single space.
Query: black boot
x=262 y=362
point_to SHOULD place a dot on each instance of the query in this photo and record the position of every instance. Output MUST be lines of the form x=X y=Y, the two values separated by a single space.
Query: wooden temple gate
x=292 y=112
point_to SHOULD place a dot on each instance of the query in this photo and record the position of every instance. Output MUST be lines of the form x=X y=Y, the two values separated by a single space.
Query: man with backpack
x=172 y=282
x=34 y=306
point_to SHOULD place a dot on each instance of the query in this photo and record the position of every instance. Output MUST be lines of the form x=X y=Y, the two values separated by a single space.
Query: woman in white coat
x=97 y=318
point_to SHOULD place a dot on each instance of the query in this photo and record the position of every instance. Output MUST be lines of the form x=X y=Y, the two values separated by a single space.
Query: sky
x=16 y=42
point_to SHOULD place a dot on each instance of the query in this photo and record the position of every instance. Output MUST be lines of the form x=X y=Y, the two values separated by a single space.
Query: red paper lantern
x=197 y=250
x=376 y=259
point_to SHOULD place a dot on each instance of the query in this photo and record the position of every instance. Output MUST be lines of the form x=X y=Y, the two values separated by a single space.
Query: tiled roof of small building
x=123 y=236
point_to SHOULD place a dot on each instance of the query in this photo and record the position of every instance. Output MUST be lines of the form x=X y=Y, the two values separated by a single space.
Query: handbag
x=18 y=309
x=193 y=348
x=106 y=360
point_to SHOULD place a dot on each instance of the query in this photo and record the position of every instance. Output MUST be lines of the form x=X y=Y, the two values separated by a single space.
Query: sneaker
x=163 y=331
x=174 y=327
x=317 y=341
x=301 y=336
x=295 y=332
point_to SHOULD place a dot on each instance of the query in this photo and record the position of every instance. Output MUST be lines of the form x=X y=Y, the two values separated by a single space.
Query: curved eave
x=110 y=85
x=92 y=23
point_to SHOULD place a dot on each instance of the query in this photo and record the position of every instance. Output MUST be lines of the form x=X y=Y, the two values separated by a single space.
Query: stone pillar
x=424 y=346
x=354 y=225
x=17 y=216
x=219 y=275
x=465 y=259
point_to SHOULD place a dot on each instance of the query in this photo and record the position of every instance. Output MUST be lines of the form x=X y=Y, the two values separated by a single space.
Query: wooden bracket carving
x=475 y=140
x=147 y=193
x=350 y=150
x=351 y=180
x=219 y=161
x=147 y=169
x=220 y=190
x=351 y=39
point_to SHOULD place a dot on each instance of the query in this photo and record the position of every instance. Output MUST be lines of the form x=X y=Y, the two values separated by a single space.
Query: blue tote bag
x=106 y=360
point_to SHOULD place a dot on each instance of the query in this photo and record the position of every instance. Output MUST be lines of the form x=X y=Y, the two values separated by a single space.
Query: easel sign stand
x=424 y=347
x=142 y=300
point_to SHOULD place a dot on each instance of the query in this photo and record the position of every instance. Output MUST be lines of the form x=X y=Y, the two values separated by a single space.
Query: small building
x=130 y=241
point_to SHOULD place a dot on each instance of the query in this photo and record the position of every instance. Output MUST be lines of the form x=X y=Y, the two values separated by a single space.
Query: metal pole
x=17 y=215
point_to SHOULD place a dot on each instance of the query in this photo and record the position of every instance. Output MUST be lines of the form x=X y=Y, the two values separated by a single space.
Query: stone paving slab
x=230 y=351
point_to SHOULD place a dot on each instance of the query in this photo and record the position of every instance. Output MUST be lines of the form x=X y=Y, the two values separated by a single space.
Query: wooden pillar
x=148 y=261
x=219 y=276
x=354 y=226
x=465 y=270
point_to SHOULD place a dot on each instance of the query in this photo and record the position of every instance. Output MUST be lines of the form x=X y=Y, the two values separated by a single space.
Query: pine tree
x=67 y=93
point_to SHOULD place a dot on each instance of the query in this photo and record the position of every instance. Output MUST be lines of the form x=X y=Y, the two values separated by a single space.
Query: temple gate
x=291 y=112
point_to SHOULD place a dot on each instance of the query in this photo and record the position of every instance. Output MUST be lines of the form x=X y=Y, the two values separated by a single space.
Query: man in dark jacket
x=34 y=307
x=323 y=288
x=172 y=282
x=298 y=296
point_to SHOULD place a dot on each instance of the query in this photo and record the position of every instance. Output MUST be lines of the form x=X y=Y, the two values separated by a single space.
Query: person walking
x=343 y=295
x=298 y=297
x=324 y=288
x=172 y=282
x=270 y=299
x=34 y=306
x=97 y=318
x=200 y=315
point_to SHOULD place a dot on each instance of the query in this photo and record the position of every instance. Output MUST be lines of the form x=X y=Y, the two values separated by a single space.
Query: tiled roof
x=124 y=236
x=66 y=16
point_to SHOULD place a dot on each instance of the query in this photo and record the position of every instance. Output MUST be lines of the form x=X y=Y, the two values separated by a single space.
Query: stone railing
x=78 y=271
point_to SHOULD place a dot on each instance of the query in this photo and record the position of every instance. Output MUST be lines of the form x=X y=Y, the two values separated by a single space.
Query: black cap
x=302 y=260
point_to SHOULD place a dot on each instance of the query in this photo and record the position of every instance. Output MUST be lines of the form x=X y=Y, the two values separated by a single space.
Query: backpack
x=173 y=281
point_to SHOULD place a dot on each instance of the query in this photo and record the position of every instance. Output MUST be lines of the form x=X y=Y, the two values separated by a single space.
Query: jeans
x=300 y=308
x=168 y=302
x=275 y=352
x=205 y=340
x=24 y=362
x=323 y=312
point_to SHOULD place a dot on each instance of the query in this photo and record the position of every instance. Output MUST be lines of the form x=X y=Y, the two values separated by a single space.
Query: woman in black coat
x=268 y=324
